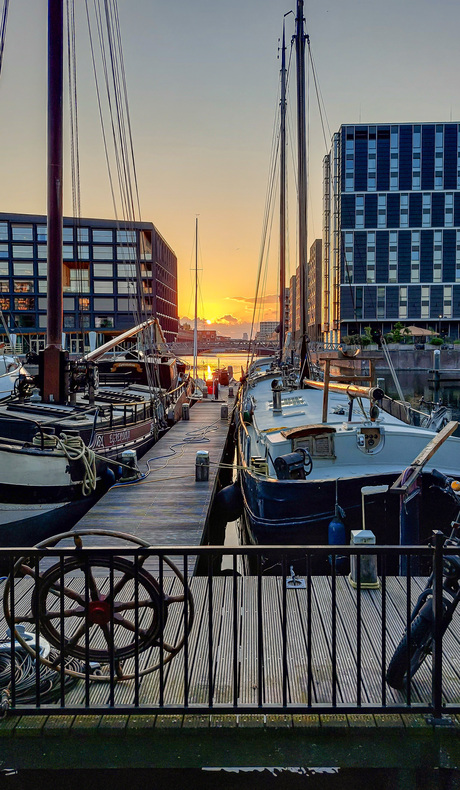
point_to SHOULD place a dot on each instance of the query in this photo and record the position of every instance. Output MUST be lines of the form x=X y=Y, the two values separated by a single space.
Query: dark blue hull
x=298 y=512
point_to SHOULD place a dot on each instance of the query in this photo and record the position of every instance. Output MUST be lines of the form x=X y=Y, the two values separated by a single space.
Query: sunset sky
x=202 y=78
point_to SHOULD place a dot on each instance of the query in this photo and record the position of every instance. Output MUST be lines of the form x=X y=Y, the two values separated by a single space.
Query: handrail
x=269 y=635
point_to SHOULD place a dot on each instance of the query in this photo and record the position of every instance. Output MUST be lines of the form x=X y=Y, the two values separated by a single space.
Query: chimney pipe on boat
x=277 y=389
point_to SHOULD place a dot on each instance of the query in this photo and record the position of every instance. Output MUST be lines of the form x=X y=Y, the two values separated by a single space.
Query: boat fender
x=336 y=536
x=108 y=476
x=228 y=503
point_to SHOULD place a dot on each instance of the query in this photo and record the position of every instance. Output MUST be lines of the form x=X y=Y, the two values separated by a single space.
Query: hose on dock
x=25 y=679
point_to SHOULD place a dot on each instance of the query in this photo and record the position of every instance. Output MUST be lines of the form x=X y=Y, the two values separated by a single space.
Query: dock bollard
x=368 y=562
x=224 y=412
x=230 y=392
x=129 y=461
x=202 y=465
x=185 y=411
x=170 y=417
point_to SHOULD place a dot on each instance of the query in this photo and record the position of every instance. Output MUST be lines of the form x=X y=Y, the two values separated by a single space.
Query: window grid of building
x=398 y=223
x=96 y=262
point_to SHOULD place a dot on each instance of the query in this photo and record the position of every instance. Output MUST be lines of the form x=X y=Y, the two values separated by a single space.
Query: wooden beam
x=417 y=465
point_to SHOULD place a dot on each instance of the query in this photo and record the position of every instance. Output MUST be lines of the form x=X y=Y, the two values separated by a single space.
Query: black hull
x=298 y=512
x=28 y=531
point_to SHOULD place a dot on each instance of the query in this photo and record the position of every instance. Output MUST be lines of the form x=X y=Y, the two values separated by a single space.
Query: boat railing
x=264 y=629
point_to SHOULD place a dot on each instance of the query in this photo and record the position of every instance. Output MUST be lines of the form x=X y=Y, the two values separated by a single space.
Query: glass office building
x=391 y=234
x=114 y=276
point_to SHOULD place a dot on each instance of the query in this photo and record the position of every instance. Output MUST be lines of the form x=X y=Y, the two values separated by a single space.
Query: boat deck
x=168 y=507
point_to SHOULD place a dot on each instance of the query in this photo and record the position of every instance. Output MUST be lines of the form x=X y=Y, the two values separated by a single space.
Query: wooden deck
x=232 y=662
x=168 y=508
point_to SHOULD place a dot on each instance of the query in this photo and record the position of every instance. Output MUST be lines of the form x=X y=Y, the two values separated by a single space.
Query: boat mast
x=302 y=181
x=282 y=273
x=53 y=389
x=195 y=328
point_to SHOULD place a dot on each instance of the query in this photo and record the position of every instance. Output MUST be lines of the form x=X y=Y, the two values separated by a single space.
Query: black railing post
x=438 y=565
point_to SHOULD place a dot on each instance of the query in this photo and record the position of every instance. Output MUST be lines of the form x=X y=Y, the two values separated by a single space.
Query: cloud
x=269 y=299
x=227 y=319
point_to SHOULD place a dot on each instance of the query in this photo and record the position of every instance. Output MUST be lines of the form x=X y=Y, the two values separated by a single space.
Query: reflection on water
x=414 y=385
x=238 y=362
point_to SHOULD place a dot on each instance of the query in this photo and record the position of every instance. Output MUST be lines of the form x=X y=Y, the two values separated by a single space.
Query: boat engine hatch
x=370 y=440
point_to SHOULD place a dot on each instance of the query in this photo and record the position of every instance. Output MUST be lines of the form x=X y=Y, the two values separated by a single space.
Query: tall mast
x=302 y=177
x=282 y=284
x=52 y=355
x=195 y=329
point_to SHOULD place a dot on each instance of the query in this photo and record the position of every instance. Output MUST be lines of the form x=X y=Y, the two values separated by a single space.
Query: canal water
x=414 y=385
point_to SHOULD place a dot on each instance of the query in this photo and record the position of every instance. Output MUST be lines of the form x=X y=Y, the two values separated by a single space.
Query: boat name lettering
x=119 y=436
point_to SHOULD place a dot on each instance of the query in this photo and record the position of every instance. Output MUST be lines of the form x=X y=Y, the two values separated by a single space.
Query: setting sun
x=208 y=321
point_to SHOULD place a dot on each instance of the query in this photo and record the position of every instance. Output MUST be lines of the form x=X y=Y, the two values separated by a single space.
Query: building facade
x=391 y=235
x=114 y=276
x=314 y=290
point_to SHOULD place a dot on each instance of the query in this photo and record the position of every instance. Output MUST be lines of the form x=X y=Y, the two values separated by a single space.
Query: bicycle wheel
x=421 y=638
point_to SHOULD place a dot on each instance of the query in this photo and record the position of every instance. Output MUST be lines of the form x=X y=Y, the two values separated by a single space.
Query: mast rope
x=111 y=64
x=3 y=30
x=265 y=223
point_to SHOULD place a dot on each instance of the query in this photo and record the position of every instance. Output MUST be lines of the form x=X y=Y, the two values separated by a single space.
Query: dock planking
x=168 y=508
x=224 y=645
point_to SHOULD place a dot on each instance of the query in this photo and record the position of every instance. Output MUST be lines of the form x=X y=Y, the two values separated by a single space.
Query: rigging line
x=262 y=251
x=119 y=143
x=101 y=116
x=3 y=30
x=120 y=137
x=319 y=98
x=268 y=199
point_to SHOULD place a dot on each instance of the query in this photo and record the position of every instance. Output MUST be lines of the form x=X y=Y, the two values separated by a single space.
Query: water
x=414 y=385
x=417 y=385
x=238 y=360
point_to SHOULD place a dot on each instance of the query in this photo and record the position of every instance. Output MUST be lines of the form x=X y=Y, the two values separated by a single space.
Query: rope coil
x=74 y=449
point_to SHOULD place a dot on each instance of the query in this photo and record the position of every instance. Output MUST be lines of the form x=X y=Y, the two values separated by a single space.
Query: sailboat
x=308 y=448
x=64 y=442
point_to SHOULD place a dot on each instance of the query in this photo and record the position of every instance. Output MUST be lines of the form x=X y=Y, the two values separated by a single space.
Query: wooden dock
x=168 y=507
x=112 y=738
x=227 y=637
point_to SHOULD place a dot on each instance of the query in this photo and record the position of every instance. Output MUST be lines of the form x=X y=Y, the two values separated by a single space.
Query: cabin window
x=319 y=445
x=3 y=231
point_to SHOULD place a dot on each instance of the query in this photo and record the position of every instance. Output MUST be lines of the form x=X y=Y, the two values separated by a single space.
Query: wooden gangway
x=169 y=507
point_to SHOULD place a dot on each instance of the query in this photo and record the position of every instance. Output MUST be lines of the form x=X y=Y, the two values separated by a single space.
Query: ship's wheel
x=101 y=608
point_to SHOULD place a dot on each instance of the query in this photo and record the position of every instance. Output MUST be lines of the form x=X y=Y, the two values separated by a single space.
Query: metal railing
x=273 y=629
